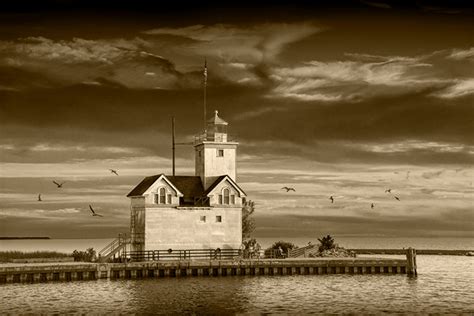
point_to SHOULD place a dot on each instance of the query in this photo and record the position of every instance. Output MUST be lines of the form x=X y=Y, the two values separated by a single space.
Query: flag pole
x=173 y=146
x=205 y=92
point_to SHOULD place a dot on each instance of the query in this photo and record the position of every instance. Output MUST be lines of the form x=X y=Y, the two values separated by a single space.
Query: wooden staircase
x=114 y=248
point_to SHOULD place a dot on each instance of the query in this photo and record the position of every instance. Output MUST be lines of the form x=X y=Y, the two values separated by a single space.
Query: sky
x=343 y=100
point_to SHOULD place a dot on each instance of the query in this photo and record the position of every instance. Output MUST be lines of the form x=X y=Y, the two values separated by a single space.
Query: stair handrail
x=114 y=244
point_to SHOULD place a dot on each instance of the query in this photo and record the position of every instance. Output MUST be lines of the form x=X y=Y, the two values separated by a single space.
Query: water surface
x=445 y=284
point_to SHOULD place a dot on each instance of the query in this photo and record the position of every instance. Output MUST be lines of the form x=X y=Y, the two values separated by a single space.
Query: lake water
x=445 y=284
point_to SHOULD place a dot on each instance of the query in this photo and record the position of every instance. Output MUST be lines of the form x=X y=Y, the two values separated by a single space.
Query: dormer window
x=161 y=197
x=226 y=194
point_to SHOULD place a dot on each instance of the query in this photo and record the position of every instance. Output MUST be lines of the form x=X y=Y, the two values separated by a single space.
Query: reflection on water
x=444 y=284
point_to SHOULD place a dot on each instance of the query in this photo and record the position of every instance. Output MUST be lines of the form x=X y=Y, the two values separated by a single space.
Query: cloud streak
x=370 y=75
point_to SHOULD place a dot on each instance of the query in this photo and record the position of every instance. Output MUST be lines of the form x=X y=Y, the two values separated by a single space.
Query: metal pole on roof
x=205 y=92
x=173 y=145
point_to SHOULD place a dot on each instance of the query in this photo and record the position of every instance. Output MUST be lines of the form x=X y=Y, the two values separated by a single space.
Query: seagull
x=388 y=191
x=288 y=189
x=396 y=198
x=93 y=212
x=60 y=185
x=114 y=171
x=332 y=199
x=39 y=197
x=372 y=206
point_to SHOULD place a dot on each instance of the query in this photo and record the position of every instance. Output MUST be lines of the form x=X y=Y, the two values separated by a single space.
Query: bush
x=252 y=248
x=326 y=243
x=248 y=223
x=86 y=256
x=285 y=246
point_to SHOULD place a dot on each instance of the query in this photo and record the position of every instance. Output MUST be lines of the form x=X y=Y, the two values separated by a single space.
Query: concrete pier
x=47 y=272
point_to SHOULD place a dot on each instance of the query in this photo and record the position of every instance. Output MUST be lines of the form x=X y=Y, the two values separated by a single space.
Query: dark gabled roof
x=190 y=186
x=144 y=185
x=219 y=180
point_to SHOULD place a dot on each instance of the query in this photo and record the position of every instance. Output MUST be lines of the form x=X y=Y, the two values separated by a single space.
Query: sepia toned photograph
x=236 y=157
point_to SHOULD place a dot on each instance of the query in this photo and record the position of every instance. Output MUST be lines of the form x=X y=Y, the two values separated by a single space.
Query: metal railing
x=208 y=254
x=275 y=254
x=212 y=138
x=115 y=246
x=298 y=252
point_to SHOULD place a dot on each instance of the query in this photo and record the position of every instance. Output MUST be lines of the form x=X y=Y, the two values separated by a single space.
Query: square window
x=218 y=219
x=168 y=199
x=220 y=153
x=203 y=219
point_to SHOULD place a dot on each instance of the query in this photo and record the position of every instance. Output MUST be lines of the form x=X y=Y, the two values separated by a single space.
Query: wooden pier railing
x=187 y=254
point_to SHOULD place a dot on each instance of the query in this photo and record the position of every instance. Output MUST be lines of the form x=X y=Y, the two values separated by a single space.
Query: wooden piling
x=411 y=262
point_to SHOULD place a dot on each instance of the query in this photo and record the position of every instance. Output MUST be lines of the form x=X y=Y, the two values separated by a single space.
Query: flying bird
x=372 y=206
x=288 y=189
x=93 y=212
x=39 y=197
x=60 y=185
x=332 y=199
x=388 y=191
x=114 y=171
x=396 y=198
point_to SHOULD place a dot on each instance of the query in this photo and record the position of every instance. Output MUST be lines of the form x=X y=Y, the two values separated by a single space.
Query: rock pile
x=337 y=252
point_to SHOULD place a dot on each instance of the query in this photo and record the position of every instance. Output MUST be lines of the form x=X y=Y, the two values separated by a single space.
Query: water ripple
x=444 y=285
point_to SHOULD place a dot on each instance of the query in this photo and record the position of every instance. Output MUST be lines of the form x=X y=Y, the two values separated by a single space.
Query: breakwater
x=418 y=251
x=10 y=273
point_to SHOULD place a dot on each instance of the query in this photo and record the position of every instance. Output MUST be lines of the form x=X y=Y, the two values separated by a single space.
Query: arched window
x=162 y=194
x=226 y=194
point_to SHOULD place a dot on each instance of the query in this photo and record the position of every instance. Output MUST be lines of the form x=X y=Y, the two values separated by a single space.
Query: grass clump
x=8 y=256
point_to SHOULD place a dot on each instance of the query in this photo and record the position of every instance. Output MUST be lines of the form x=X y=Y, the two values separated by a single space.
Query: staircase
x=114 y=247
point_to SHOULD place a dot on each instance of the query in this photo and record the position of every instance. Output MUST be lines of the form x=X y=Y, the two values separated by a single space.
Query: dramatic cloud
x=459 y=89
x=255 y=44
x=334 y=105
x=124 y=62
x=371 y=75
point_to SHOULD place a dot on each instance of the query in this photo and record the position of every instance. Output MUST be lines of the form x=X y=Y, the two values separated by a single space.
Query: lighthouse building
x=203 y=211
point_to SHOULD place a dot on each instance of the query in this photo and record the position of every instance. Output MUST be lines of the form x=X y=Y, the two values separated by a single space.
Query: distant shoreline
x=12 y=238
x=446 y=252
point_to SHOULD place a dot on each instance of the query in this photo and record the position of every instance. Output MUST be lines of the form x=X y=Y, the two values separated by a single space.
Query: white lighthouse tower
x=215 y=155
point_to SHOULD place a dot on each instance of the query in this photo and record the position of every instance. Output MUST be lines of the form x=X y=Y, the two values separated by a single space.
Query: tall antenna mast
x=173 y=146
x=205 y=88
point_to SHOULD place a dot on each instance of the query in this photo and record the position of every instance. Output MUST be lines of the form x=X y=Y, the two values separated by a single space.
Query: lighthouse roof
x=190 y=187
x=216 y=119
